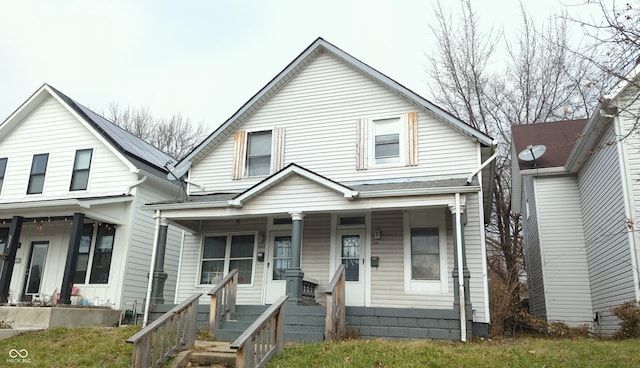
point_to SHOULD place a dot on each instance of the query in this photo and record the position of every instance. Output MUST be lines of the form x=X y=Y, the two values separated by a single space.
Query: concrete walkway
x=206 y=354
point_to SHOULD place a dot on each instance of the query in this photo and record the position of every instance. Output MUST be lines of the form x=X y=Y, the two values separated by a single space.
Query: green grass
x=107 y=347
x=77 y=347
x=525 y=352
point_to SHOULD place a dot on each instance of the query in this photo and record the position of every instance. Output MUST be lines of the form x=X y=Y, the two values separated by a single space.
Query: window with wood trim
x=3 y=169
x=81 y=166
x=388 y=141
x=38 y=171
x=258 y=153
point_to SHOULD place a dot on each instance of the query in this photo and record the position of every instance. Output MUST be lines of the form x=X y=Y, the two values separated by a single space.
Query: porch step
x=303 y=323
x=206 y=354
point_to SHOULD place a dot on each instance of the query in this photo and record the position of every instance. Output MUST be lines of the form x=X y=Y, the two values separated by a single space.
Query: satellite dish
x=532 y=153
x=178 y=172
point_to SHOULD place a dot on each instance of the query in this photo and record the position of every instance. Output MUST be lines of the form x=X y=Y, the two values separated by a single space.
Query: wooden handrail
x=334 y=326
x=164 y=337
x=223 y=300
x=263 y=339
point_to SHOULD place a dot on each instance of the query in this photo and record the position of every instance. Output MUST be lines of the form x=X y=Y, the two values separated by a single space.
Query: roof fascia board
x=588 y=138
x=321 y=44
x=285 y=173
x=545 y=171
x=419 y=191
x=23 y=110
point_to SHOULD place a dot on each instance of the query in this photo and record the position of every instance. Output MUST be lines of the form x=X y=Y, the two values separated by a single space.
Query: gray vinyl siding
x=319 y=109
x=316 y=254
x=532 y=252
x=566 y=277
x=606 y=232
x=142 y=235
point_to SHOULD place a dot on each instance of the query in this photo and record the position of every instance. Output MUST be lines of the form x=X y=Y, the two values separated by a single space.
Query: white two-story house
x=71 y=225
x=334 y=163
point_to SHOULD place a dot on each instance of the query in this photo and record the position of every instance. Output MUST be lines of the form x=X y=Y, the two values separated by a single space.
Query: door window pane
x=351 y=257
x=281 y=256
x=36 y=267
x=82 y=262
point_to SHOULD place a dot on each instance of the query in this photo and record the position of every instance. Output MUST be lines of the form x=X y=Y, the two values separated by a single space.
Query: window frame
x=3 y=171
x=402 y=141
x=98 y=233
x=246 y=170
x=32 y=175
x=227 y=255
x=75 y=170
x=92 y=252
x=426 y=218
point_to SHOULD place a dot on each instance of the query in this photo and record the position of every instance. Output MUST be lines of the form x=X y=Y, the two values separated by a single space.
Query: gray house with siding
x=334 y=163
x=579 y=206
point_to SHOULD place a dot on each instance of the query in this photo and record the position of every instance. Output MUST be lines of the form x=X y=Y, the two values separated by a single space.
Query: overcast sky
x=206 y=58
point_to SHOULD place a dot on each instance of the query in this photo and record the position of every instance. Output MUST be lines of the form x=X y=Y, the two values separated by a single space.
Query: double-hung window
x=386 y=141
x=3 y=169
x=93 y=264
x=223 y=253
x=425 y=251
x=38 y=171
x=81 y=165
x=258 y=153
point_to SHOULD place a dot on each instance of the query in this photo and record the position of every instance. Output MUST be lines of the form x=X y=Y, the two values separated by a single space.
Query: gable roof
x=318 y=46
x=139 y=153
x=558 y=137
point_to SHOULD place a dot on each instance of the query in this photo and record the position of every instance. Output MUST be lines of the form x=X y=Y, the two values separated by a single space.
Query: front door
x=278 y=258
x=351 y=249
x=35 y=270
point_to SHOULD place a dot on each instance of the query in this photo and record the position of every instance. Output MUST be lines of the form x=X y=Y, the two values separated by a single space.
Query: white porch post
x=459 y=271
x=294 y=273
x=154 y=250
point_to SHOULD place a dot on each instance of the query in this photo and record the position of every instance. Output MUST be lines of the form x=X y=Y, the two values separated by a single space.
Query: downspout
x=154 y=250
x=476 y=171
x=142 y=180
x=463 y=313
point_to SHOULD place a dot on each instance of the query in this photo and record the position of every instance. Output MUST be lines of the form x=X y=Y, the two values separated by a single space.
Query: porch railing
x=263 y=339
x=334 y=324
x=223 y=300
x=164 y=337
x=309 y=288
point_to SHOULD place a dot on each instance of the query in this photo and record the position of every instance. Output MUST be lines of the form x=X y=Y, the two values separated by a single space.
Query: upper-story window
x=3 y=169
x=258 y=153
x=388 y=141
x=38 y=171
x=81 y=165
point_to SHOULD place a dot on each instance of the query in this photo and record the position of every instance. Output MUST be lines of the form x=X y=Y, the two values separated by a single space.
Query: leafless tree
x=539 y=81
x=176 y=135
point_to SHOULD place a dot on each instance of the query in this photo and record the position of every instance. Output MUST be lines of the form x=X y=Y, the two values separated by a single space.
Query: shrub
x=560 y=329
x=629 y=314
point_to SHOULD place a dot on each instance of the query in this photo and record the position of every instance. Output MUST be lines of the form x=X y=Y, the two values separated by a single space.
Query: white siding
x=138 y=258
x=606 y=232
x=473 y=231
x=189 y=278
x=532 y=252
x=319 y=109
x=564 y=261
x=316 y=251
x=52 y=129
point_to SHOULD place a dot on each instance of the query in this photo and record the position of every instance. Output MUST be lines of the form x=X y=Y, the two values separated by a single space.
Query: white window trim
x=432 y=218
x=91 y=163
x=245 y=150
x=227 y=253
x=402 y=159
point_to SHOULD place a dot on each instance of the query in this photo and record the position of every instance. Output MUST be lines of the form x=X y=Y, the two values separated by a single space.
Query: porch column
x=7 y=268
x=461 y=296
x=159 y=276
x=72 y=258
x=294 y=273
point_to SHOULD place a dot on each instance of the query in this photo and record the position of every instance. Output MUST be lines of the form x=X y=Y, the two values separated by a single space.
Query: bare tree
x=176 y=135
x=540 y=82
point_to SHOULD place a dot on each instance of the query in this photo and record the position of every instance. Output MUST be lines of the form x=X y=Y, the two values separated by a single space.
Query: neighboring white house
x=580 y=212
x=373 y=175
x=60 y=162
